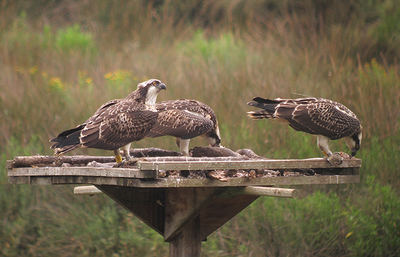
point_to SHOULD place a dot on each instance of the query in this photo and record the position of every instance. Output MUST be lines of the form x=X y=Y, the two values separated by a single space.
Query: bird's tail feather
x=67 y=140
x=65 y=149
x=267 y=105
x=266 y=101
x=260 y=115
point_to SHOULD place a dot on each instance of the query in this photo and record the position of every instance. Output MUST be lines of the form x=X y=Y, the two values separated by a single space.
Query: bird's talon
x=335 y=159
x=126 y=163
x=131 y=162
x=118 y=159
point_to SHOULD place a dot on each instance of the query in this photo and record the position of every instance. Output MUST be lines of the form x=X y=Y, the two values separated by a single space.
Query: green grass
x=73 y=39
x=56 y=70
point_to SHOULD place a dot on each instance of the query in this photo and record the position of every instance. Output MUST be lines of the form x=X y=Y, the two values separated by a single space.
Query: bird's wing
x=103 y=108
x=181 y=123
x=189 y=105
x=98 y=112
x=322 y=118
x=117 y=126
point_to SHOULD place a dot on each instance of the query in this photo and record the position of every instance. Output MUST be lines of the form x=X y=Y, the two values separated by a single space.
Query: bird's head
x=147 y=91
x=214 y=138
x=354 y=142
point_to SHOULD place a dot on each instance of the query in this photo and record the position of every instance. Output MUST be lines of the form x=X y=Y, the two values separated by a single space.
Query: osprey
x=116 y=124
x=322 y=117
x=186 y=119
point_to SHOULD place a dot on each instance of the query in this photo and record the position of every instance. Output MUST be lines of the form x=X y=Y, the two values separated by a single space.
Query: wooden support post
x=188 y=242
x=181 y=206
x=182 y=219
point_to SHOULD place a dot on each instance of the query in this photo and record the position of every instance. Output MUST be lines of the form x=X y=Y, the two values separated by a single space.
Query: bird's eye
x=154 y=83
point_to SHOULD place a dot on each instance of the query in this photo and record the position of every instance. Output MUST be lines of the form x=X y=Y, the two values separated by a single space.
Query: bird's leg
x=323 y=145
x=126 y=152
x=184 y=146
x=334 y=159
x=118 y=157
x=128 y=159
x=178 y=142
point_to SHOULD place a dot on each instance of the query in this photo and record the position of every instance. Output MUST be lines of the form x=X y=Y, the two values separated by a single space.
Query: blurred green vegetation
x=60 y=60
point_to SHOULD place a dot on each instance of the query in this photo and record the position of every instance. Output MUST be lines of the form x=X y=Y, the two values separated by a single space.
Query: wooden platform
x=176 y=196
x=146 y=174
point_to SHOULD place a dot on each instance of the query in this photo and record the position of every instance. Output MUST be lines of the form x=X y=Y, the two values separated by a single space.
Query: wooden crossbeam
x=270 y=191
x=248 y=190
x=86 y=190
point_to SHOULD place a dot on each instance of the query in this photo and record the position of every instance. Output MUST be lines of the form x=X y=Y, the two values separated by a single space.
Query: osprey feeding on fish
x=186 y=119
x=116 y=124
x=322 y=117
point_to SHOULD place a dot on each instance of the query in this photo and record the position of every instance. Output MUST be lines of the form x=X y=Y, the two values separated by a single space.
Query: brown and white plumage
x=322 y=117
x=186 y=119
x=116 y=124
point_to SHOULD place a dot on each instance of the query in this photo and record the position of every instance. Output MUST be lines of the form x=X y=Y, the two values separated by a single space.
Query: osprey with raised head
x=116 y=124
x=186 y=119
x=322 y=117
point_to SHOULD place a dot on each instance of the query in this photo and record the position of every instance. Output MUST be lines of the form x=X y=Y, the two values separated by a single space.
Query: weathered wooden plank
x=82 y=171
x=186 y=182
x=336 y=171
x=63 y=180
x=22 y=180
x=9 y=164
x=260 y=181
x=248 y=164
x=28 y=161
x=152 y=152
x=86 y=190
x=188 y=159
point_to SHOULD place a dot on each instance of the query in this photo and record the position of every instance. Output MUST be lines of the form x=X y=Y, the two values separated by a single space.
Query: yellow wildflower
x=33 y=70
x=89 y=81
x=108 y=75
x=118 y=75
x=56 y=83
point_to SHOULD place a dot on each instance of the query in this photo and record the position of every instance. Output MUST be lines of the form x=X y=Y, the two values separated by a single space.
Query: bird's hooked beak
x=357 y=143
x=161 y=86
x=355 y=149
x=213 y=140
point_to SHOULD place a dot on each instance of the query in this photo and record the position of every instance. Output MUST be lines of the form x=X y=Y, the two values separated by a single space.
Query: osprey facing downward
x=116 y=124
x=186 y=119
x=325 y=118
